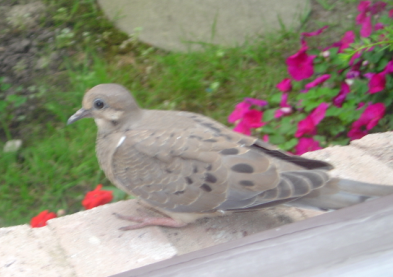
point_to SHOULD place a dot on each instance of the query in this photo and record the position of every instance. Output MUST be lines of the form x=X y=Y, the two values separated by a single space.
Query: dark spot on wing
x=114 y=122
x=168 y=170
x=209 y=167
x=246 y=183
x=195 y=169
x=179 y=192
x=242 y=168
x=210 y=140
x=229 y=151
x=210 y=178
x=172 y=135
x=196 y=137
x=206 y=188
x=189 y=180
x=210 y=126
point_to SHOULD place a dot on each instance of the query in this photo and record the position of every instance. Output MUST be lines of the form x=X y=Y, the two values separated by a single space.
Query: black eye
x=98 y=104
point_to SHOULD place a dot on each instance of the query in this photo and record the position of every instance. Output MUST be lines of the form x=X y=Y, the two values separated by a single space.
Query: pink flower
x=285 y=85
x=308 y=125
x=251 y=119
x=265 y=138
x=315 y=33
x=285 y=108
x=319 y=80
x=368 y=120
x=379 y=26
x=339 y=99
x=300 y=65
x=391 y=13
x=367 y=28
x=306 y=145
x=377 y=82
x=348 y=38
x=389 y=67
x=377 y=7
x=256 y=102
x=239 y=112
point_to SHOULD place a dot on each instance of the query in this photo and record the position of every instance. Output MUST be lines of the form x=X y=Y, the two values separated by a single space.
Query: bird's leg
x=149 y=221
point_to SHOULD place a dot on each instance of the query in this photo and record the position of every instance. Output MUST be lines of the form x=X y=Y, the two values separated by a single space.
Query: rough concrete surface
x=179 y=24
x=89 y=243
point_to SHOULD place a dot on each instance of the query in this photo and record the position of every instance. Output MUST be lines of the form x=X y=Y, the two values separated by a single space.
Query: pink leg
x=149 y=221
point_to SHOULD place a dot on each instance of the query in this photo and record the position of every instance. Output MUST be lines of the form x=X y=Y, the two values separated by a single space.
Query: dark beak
x=82 y=113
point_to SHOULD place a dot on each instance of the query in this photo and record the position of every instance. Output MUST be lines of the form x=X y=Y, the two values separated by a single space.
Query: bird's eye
x=98 y=104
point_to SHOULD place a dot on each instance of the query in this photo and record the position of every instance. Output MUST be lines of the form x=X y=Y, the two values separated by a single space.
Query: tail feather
x=346 y=193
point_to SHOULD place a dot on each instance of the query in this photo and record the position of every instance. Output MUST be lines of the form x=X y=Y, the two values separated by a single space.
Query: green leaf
x=268 y=115
x=276 y=139
x=289 y=145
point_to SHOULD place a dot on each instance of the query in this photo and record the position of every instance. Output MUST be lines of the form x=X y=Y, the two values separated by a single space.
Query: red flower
x=300 y=65
x=41 y=219
x=308 y=125
x=339 y=99
x=391 y=13
x=367 y=27
x=319 y=80
x=306 y=145
x=368 y=120
x=97 y=197
x=285 y=85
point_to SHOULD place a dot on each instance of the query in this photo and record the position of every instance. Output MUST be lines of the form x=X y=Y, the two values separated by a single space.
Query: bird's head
x=111 y=105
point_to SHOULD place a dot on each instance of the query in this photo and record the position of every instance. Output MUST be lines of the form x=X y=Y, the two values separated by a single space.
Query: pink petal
x=367 y=28
x=305 y=127
x=319 y=80
x=377 y=83
x=265 y=138
x=243 y=129
x=364 y=6
x=339 y=99
x=360 y=105
x=373 y=114
x=378 y=26
x=389 y=67
x=319 y=113
x=391 y=13
x=315 y=33
x=285 y=85
x=256 y=102
x=305 y=145
x=348 y=38
x=355 y=133
x=239 y=112
x=253 y=118
x=377 y=7
x=284 y=100
x=300 y=65
x=369 y=75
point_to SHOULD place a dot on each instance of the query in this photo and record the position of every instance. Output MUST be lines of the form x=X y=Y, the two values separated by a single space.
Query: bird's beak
x=82 y=113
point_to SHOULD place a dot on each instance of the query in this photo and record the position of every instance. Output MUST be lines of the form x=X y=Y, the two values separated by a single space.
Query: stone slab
x=173 y=24
x=25 y=251
x=94 y=245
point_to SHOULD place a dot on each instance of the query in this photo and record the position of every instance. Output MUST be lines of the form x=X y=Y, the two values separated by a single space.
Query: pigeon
x=189 y=166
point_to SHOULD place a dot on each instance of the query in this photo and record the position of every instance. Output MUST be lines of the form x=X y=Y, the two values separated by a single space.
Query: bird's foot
x=148 y=221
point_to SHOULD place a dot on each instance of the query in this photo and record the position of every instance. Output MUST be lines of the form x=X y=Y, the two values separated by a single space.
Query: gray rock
x=180 y=25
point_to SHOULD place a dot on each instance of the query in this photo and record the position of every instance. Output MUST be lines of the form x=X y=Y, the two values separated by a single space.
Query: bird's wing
x=201 y=170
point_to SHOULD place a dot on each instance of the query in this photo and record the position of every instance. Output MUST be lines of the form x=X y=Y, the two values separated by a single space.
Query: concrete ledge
x=89 y=242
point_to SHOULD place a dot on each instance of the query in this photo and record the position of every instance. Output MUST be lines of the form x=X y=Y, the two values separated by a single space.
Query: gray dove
x=188 y=166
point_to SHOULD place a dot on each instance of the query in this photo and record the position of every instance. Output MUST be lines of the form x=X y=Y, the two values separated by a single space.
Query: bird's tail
x=341 y=193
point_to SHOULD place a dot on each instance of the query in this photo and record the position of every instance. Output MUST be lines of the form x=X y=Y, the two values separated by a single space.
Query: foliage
x=337 y=93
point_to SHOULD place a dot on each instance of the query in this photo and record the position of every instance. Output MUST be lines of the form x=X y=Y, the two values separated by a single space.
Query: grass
x=57 y=164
